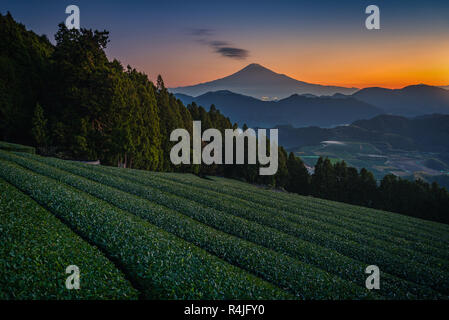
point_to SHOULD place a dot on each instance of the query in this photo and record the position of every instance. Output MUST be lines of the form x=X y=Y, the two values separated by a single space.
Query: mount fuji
x=259 y=82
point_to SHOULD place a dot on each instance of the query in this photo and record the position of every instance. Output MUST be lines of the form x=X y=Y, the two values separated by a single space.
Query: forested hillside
x=82 y=106
x=24 y=65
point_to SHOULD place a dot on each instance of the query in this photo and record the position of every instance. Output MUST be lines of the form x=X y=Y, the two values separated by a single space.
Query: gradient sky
x=315 y=41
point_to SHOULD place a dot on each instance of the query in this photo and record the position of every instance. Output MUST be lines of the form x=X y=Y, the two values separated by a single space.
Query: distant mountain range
x=259 y=82
x=426 y=133
x=258 y=96
x=311 y=110
x=408 y=101
x=296 y=110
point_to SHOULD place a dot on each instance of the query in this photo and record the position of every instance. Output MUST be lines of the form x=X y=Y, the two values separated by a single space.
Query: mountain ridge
x=411 y=100
x=260 y=82
x=425 y=133
x=297 y=110
x=309 y=110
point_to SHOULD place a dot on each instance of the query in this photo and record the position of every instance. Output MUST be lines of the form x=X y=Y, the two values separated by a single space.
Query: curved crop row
x=326 y=259
x=231 y=204
x=403 y=268
x=353 y=230
x=425 y=227
x=307 y=207
x=286 y=200
x=163 y=265
x=36 y=250
x=7 y=146
x=303 y=280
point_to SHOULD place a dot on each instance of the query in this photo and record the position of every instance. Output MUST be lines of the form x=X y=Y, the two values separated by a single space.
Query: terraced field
x=138 y=234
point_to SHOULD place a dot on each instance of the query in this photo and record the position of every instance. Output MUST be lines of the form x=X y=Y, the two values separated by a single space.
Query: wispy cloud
x=235 y=53
x=223 y=48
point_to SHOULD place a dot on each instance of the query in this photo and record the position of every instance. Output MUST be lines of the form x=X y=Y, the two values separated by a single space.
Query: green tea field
x=150 y=235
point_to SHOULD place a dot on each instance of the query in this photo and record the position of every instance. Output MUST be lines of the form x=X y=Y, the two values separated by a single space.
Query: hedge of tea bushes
x=231 y=205
x=422 y=252
x=36 y=248
x=413 y=227
x=16 y=147
x=426 y=242
x=301 y=279
x=429 y=229
x=230 y=223
x=327 y=259
x=160 y=264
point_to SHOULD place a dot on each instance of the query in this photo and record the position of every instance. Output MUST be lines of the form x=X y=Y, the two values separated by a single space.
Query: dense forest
x=70 y=101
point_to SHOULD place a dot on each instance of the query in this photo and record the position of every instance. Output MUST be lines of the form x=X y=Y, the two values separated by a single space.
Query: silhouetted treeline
x=70 y=101
x=341 y=183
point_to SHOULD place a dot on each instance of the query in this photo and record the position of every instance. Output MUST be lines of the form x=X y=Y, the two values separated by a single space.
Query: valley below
x=379 y=161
